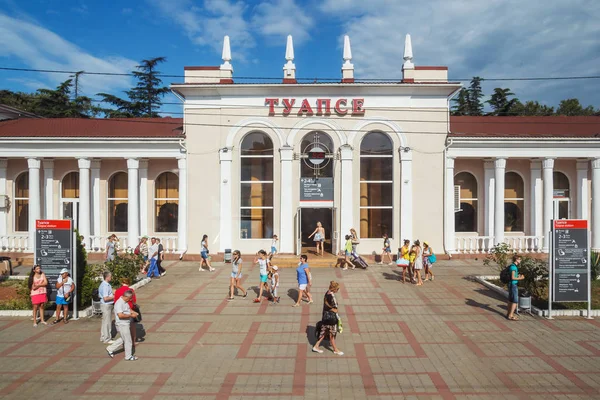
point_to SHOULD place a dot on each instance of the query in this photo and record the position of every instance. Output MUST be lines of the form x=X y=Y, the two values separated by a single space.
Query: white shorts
x=302 y=287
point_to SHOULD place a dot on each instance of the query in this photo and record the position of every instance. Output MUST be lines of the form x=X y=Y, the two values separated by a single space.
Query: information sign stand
x=569 y=255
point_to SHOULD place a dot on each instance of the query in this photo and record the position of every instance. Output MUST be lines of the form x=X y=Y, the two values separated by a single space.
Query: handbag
x=330 y=318
x=136 y=308
x=432 y=258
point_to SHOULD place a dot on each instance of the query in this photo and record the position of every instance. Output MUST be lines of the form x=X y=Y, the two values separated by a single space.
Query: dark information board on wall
x=54 y=249
x=571 y=260
x=316 y=189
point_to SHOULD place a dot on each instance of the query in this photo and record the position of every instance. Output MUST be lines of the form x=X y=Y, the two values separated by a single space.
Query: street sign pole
x=551 y=269
x=589 y=310
x=74 y=266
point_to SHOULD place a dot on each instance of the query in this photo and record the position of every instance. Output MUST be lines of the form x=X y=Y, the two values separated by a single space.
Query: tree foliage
x=144 y=99
x=500 y=103
x=475 y=93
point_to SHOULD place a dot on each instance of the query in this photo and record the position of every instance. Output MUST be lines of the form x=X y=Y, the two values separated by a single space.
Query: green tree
x=500 y=102
x=461 y=103
x=145 y=98
x=475 y=93
x=532 y=109
x=572 y=107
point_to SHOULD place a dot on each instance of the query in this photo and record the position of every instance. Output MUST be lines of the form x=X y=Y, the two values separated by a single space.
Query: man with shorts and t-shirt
x=513 y=290
x=304 y=280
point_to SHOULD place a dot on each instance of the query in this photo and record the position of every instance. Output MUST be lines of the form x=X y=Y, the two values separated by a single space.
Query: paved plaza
x=445 y=340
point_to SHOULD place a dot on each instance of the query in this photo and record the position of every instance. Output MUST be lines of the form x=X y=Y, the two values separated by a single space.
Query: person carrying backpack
x=513 y=290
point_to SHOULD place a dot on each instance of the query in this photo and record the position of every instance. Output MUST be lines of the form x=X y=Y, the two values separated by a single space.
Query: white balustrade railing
x=483 y=244
x=97 y=244
x=16 y=243
x=474 y=244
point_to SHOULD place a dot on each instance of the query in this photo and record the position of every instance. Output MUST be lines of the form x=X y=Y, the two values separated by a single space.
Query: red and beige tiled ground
x=445 y=340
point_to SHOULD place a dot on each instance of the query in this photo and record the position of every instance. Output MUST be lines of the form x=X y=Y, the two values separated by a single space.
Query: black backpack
x=506 y=275
x=96 y=295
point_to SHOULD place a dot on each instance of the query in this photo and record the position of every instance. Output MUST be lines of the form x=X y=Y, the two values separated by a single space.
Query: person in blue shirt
x=513 y=290
x=106 y=305
x=304 y=280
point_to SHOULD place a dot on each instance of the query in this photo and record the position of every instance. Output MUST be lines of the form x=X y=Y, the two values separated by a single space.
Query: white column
x=406 y=199
x=547 y=174
x=226 y=226
x=489 y=191
x=95 y=176
x=583 y=192
x=3 y=209
x=133 y=213
x=499 y=171
x=286 y=232
x=596 y=204
x=537 y=205
x=346 y=214
x=449 y=205
x=84 y=200
x=144 y=197
x=182 y=214
x=48 y=188
x=34 y=198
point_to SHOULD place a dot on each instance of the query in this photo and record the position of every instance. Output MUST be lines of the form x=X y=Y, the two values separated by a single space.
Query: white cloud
x=40 y=48
x=208 y=25
x=280 y=18
x=510 y=38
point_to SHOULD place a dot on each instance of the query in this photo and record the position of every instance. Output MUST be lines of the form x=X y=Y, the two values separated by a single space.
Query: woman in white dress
x=418 y=261
x=319 y=239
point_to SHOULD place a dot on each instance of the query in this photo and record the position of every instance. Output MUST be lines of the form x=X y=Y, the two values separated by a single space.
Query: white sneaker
x=164 y=273
x=339 y=353
x=317 y=350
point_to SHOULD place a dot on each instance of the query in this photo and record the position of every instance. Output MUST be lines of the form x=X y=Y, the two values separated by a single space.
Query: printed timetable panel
x=54 y=250
x=571 y=255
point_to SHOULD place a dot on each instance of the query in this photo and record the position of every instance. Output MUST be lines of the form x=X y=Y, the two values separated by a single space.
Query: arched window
x=256 y=203
x=465 y=220
x=166 y=202
x=376 y=185
x=309 y=141
x=514 y=202
x=22 y=202
x=562 y=206
x=70 y=197
x=117 y=202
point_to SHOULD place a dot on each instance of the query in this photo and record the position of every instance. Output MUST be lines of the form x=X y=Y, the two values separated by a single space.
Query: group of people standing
x=38 y=290
x=414 y=259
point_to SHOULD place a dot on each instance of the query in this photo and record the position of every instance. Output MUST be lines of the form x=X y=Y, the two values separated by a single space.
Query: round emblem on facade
x=316 y=155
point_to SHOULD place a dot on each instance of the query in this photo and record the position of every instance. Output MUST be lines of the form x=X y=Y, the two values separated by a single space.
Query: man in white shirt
x=106 y=305
x=153 y=256
x=123 y=315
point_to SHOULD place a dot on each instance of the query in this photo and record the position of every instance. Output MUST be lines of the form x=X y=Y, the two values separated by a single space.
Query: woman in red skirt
x=37 y=286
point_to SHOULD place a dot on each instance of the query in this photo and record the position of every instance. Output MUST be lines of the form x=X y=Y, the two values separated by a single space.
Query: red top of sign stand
x=53 y=224
x=570 y=224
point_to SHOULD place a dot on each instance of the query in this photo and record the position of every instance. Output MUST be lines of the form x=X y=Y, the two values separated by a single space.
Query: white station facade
x=250 y=160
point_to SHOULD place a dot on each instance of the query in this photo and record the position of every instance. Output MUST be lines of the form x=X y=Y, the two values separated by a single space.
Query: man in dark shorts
x=513 y=290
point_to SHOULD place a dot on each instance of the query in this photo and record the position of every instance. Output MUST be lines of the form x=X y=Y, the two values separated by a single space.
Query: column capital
x=346 y=152
x=3 y=163
x=548 y=163
x=536 y=164
x=226 y=154
x=488 y=164
x=95 y=164
x=286 y=153
x=84 y=163
x=596 y=163
x=144 y=163
x=33 y=163
x=182 y=163
x=449 y=162
x=133 y=163
x=500 y=163
x=48 y=163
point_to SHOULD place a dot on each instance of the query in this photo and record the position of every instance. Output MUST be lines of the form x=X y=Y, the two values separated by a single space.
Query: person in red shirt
x=125 y=282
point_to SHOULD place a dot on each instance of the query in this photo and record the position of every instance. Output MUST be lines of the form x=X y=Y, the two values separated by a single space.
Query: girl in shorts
x=319 y=234
x=387 y=250
x=204 y=255
x=236 y=275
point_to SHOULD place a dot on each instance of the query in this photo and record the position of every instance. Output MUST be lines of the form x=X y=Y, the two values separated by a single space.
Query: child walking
x=273 y=247
x=387 y=250
x=274 y=283
x=263 y=265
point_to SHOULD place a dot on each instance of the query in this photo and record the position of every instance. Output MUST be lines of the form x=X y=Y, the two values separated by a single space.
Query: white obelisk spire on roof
x=289 y=68
x=347 y=67
x=408 y=54
x=226 y=55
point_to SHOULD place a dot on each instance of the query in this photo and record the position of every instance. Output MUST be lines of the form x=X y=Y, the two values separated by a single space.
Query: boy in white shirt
x=274 y=283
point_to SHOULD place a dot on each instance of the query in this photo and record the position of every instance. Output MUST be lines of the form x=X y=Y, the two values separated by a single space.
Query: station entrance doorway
x=306 y=223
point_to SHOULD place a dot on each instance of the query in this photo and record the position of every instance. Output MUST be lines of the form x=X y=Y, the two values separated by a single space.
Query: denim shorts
x=235 y=276
x=204 y=255
x=273 y=249
x=513 y=293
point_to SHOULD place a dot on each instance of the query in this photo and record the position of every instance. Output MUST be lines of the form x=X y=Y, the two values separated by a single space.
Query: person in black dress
x=329 y=326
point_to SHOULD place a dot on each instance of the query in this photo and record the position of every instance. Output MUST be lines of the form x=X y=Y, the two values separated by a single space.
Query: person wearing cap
x=274 y=283
x=65 y=288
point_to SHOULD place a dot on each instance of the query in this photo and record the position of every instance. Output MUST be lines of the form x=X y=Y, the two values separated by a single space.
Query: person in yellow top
x=347 y=252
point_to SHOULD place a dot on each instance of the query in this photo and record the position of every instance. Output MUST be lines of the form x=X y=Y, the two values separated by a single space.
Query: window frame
x=15 y=199
x=242 y=182
x=367 y=182
x=471 y=199
x=515 y=201
x=166 y=200
x=109 y=199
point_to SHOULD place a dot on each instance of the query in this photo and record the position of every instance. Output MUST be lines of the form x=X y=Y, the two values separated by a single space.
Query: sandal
x=56 y=321
x=65 y=321
x=513 y=318
x=256 y=300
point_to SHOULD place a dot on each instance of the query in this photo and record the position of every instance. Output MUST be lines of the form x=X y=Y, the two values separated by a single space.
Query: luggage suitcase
x=360 y=262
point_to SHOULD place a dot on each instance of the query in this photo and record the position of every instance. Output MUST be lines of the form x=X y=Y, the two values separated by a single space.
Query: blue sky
x=508 y=38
